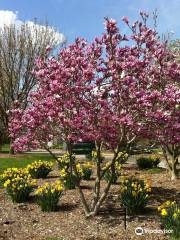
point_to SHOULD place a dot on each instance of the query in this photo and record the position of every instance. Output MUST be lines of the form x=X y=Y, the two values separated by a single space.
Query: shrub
x=144 y=163
x=170 y=218
x=47 y=196
x=19 y=187
x=39 y=169
x=148 y=162
x=116 y=173
x=134 y=194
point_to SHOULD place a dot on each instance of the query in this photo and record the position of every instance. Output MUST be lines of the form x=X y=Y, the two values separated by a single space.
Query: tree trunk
x=77 y=182
x=173 y=170
x=171 y=157
x=49 y=151
x=173 y=175
x=99 y=197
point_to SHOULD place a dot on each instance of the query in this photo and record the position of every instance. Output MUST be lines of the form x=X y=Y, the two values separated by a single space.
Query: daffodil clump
x=95 y=156
x=134 y=194
x=148 y=162
x=68 y=178
x=11 y=173
x=67 y=174
x=64 y=161
x=170 y=217
x=155 y=159
x=39 y=169
x=47 y=196
x=87 y=170
x=19 y=187
x=112 y=174
x=122 y=157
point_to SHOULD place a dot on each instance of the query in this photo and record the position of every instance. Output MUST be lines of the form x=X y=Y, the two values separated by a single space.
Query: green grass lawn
x=22 y=161
x=154 y=170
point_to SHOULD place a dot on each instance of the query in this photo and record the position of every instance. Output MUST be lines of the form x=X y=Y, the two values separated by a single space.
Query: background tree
x=20 y=46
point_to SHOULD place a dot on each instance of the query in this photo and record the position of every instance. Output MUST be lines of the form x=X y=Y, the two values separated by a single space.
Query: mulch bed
x=26 y=221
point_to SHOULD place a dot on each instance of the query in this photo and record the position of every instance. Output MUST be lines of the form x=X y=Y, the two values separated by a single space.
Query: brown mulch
x=26 y=221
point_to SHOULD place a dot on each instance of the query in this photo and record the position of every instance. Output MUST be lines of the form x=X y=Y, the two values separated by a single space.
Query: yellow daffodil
x=134 y=193
x=7 y=183
x=164 y=212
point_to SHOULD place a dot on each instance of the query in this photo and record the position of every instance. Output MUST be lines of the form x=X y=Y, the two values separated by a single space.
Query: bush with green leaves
x=148 y=162
x=39 y=169
x=47 y=196
x=134 y=194
x=170 y=218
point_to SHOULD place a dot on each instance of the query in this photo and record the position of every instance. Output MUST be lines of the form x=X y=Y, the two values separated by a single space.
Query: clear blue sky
x=84 y=18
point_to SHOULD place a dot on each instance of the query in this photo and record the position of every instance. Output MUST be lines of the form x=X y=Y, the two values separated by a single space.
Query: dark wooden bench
x=83 y=148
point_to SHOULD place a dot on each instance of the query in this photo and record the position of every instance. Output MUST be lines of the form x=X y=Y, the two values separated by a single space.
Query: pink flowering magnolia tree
x=74 y=99
x=148 y=89
x=109 y=92
x=162 y=122
x=157 y=93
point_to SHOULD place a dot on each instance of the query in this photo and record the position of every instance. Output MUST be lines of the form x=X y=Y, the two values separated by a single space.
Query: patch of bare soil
x=26 y=221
